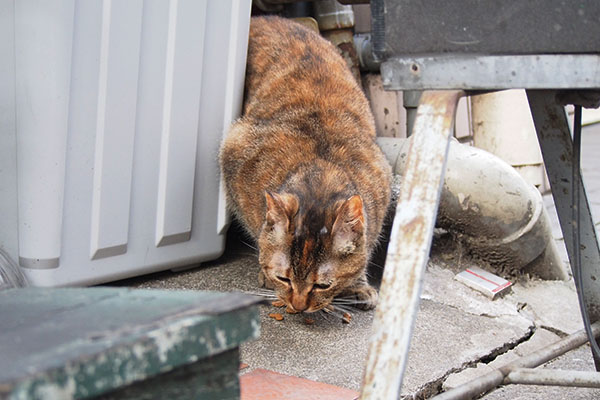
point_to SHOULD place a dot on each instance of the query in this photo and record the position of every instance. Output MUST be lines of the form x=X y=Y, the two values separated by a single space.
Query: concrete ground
x=458 y=335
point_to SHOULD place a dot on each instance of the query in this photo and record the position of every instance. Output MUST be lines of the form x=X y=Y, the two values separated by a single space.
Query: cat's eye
x=321 y=286
x=284 y=280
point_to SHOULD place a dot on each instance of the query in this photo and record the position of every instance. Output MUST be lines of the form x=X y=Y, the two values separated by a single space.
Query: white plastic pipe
x=501 y=119
x=491 y=209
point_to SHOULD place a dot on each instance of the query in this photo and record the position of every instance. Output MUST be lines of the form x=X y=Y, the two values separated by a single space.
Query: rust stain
x=414 y=227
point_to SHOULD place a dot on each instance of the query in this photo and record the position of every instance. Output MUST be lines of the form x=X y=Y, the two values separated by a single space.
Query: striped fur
x=302 y=171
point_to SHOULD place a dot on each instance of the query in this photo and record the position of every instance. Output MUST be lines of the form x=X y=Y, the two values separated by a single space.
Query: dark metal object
x=77 y=343
x=486 y=44
x=557 y=149
x=410 y=101
x=378 y=29
x=489 y=26
x=584 y=98
x=364 y=51
x=576 y=229
x=299 y=9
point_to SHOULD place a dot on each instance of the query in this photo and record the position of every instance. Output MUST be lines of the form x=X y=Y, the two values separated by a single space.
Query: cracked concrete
x=459 y=333
x=539 y=339
x=453 y=340
x=457 y=329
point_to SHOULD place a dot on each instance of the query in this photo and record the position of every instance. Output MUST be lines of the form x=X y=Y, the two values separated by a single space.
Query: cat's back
x=302 y=108
x=291 y=67
x=281 y=47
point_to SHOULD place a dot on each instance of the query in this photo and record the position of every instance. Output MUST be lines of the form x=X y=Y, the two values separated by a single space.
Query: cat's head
x=309 y=252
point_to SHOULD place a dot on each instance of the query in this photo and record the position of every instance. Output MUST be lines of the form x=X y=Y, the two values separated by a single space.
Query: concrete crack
x=554 y=330
x=508 y=346
x=435 y=387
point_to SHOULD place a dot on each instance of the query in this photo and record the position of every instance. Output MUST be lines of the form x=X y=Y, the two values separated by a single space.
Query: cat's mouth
x=309 y=310
x=292 y=310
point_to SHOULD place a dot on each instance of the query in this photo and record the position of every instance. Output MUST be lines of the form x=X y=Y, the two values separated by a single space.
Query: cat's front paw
x=365 y=295
x=263 y=282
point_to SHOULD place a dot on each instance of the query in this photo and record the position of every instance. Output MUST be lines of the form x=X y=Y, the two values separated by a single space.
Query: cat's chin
x=291 y=310
x=317 y=309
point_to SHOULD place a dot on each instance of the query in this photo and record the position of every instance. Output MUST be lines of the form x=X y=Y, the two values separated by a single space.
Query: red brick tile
x=265 y=385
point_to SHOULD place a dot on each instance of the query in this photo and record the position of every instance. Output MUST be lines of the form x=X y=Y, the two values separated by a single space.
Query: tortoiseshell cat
x=302 y=171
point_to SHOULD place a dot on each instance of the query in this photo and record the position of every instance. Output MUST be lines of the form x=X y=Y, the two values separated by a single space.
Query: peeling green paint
x=122 y=337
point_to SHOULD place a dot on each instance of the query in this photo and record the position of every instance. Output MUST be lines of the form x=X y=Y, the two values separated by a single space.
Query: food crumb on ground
x=346 y=318
x=276 y=316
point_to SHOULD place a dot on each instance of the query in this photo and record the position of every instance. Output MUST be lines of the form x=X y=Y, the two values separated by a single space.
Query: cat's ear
x=349 y=225
x=281 y=208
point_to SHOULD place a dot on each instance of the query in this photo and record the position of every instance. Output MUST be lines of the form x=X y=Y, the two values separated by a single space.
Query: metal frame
x=485 y=72
x=411 y=240
x=409 y=246
x=555 y=141
x=556 y=144
x=476 y=49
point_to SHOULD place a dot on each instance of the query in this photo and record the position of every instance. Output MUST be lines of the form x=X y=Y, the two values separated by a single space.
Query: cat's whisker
x=369 y=275
x=262 y=293
x=354 y=306
x=344 y=309
x=246 y=254
x=326 y=315
x=267 y=295
x=249 y=245
x=375 y=264
x=266 y=290
x=346 y=298
x=349 y=302
x=333 y=311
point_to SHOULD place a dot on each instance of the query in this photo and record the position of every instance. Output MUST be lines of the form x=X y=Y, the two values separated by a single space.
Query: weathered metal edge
x=182 y=338
x=487 y=72
x=160 y=350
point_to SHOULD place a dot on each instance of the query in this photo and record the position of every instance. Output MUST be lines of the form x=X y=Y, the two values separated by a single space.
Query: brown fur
x=302 y=171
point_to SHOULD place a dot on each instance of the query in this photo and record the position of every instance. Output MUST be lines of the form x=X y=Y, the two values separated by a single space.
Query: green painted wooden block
x=122 y=343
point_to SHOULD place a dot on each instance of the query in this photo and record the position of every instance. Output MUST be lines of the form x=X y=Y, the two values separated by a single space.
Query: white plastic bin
x=111 y=116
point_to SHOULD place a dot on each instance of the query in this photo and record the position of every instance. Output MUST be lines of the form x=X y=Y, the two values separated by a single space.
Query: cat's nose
x=299 y=303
